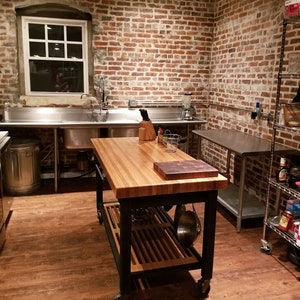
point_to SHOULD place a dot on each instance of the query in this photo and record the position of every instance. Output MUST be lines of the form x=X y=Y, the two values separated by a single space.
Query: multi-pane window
x=55 y=55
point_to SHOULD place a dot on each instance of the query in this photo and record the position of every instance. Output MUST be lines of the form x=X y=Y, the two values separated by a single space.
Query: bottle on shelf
x=297 y=233
x=285 y=220
x=282 y=173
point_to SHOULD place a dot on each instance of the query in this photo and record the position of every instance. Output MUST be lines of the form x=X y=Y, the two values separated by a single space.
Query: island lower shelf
x=154 y=245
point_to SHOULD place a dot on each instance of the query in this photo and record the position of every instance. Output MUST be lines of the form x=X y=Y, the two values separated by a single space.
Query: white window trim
x=52 y=21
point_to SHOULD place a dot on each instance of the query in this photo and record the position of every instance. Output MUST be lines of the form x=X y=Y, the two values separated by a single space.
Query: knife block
x=146 y=131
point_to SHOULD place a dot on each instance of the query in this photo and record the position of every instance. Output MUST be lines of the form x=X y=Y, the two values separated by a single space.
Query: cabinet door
x=2 y=222
x=1 y=198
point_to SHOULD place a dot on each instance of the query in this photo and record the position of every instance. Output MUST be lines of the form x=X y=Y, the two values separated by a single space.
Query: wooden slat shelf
x=154 y=244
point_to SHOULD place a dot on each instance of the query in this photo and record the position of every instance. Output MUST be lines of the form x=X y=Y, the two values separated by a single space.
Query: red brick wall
x=155 y=50
x=244 y=63
x=244 y=69
x=224 y=51
x=148 y=50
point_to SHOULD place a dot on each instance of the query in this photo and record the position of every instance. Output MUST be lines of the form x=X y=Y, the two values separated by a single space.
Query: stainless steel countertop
x=98 y=124
x=61 y=117
x=239 y=142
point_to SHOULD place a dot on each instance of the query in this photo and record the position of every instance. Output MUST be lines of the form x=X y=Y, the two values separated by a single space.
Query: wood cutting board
x=185 y=169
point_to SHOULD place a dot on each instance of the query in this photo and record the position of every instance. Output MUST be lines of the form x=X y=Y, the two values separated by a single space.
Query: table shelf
x=286 y=235
x=154 y=242
x=252 y=207
x=284 y=188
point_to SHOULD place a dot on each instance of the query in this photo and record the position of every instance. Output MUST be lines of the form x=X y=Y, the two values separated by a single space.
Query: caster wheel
x=100 y=219
x=121 y=297
x=266 y=247
x=117 y=297
x=204 y=295
x=203 y=289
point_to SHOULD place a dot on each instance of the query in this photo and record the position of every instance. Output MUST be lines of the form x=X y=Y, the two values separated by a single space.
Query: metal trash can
x=21 y=167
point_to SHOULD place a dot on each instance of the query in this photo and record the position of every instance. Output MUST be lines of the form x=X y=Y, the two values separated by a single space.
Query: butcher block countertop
x=128 y=166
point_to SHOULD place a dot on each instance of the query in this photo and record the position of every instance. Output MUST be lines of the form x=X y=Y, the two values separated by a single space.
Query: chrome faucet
x=101 y=97
x=100 y=92
x=100 y=100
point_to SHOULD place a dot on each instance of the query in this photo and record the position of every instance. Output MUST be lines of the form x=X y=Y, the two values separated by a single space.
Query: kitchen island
x=127 y=164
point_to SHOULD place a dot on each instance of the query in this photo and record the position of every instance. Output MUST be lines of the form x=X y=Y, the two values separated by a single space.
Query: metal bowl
x=188 y=229
x=180 y=209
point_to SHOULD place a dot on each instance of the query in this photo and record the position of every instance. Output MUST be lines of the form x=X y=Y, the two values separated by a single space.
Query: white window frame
x=26 y=20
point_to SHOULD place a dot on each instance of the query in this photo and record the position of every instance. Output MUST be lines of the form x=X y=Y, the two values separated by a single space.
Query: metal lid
x=23 y=142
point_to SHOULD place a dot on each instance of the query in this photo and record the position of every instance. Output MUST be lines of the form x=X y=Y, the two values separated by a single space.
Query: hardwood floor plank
x=56 y=249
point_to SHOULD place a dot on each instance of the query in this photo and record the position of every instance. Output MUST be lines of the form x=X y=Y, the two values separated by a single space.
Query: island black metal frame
x=123 y=236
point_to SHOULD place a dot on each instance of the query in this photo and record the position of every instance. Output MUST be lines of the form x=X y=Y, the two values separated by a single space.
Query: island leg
x=125 y=247
x=99 y=192
x=208 y=243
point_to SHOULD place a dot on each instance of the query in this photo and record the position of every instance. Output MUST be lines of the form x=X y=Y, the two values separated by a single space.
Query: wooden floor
x=56 y=249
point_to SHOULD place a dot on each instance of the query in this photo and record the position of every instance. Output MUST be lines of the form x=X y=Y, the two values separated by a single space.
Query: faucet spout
x=83 y=95
x=105 y=101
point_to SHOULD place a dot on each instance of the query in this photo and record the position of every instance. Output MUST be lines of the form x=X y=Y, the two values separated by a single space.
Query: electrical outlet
x=132 y=103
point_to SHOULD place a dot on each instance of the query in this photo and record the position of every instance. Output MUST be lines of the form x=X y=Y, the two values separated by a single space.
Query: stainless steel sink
x=74 y=138
x=80 y=138
x=79 y=121
x=53 y=115
x=165 y=114
x=84 y=115
x=123 y=115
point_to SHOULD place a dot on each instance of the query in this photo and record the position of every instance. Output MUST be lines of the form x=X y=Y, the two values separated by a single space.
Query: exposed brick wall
x=148 y=50
x=8 y=52
x=224 y=51
x=244 y=66
x=155 y=50
x=244 y=62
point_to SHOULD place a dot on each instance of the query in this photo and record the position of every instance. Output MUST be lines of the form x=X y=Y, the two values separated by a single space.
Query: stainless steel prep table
x=234 y=198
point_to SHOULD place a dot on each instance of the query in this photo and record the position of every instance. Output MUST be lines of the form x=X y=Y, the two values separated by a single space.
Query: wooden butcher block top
x=129 y=167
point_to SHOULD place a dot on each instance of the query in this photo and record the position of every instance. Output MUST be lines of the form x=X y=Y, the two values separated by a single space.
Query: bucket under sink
x=80 y=138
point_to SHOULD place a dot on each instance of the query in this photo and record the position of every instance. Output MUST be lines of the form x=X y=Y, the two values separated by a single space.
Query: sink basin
x=123 y=115
x=74 y=138
x=80 y=138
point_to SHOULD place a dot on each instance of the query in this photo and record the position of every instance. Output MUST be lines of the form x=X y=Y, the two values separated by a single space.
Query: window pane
x=37 y=49
x=55 y=32
x=56 y=76
x=74 y=34
x=74 y=51
x=36 y=31
x=56 y=50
